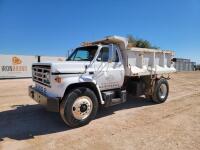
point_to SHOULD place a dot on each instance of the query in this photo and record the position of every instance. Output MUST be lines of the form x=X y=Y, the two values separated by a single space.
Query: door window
x=103 y=55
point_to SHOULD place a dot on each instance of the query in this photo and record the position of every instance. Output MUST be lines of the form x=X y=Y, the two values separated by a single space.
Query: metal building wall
x=184 y=65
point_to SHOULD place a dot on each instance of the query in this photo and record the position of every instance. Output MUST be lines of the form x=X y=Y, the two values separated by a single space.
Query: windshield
x=83 y=54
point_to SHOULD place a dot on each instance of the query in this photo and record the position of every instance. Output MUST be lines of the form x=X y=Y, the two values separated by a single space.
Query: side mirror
x=111 y=52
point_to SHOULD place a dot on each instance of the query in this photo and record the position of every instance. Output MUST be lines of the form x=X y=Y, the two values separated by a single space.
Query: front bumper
x=50 y=103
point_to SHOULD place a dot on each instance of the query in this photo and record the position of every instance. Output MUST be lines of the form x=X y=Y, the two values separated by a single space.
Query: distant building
x=197 y=67
x=182 y=64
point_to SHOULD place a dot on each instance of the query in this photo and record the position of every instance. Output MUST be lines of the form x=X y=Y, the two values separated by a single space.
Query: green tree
x=134 y=42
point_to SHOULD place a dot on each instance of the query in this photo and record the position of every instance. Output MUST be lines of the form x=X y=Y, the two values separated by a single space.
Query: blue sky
x=52 y=27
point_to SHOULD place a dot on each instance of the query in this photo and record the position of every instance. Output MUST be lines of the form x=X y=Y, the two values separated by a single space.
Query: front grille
x=41 y=74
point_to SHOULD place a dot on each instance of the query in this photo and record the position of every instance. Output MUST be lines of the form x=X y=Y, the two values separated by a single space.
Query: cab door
x=109 y=69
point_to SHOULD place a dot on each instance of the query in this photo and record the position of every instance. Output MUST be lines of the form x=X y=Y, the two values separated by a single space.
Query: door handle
x=91 y=72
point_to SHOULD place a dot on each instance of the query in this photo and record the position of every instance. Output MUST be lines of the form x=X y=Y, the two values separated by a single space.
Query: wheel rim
x=82 y=107
x=163 y=91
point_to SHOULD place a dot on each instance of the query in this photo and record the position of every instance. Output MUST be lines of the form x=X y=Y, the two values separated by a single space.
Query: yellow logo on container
x=15 y=67
x=16 y=61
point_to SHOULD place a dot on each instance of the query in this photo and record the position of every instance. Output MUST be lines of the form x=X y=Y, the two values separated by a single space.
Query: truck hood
x=66 y=66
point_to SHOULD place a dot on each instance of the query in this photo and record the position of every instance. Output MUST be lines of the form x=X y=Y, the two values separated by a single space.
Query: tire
x=79 y=107
x=161 y=91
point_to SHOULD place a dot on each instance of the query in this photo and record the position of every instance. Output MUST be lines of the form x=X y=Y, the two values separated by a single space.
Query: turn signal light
x=58 y=79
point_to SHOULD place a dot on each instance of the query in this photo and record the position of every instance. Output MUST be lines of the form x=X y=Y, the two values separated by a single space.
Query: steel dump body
x=142 y=61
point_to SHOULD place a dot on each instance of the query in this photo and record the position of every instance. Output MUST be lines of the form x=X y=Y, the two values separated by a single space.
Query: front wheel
x=161 y=91
x=79 y=107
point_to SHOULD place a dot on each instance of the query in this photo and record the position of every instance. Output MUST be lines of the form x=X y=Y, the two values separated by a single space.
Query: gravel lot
x=137 y=124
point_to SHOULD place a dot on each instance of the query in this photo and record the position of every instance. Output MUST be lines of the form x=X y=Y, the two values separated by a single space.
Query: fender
x=82 y=80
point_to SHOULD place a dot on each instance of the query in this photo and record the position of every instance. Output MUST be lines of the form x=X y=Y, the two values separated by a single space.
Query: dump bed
x=142 y=61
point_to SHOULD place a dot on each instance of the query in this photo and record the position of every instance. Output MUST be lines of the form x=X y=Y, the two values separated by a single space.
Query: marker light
x=58 y=79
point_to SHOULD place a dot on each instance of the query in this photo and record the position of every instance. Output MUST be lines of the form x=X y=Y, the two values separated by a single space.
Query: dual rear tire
x=161 y=91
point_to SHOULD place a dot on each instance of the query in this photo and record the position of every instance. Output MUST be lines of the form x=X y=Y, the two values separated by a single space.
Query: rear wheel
x=161 y=91
x=79 y=107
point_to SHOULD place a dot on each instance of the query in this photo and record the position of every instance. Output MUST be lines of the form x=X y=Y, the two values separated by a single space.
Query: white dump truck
x=100 y=74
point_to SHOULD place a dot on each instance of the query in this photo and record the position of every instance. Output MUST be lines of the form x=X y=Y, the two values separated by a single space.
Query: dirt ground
x=137 y=124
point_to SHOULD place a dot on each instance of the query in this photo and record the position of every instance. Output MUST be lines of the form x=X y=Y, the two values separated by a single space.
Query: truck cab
x=93 y=76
